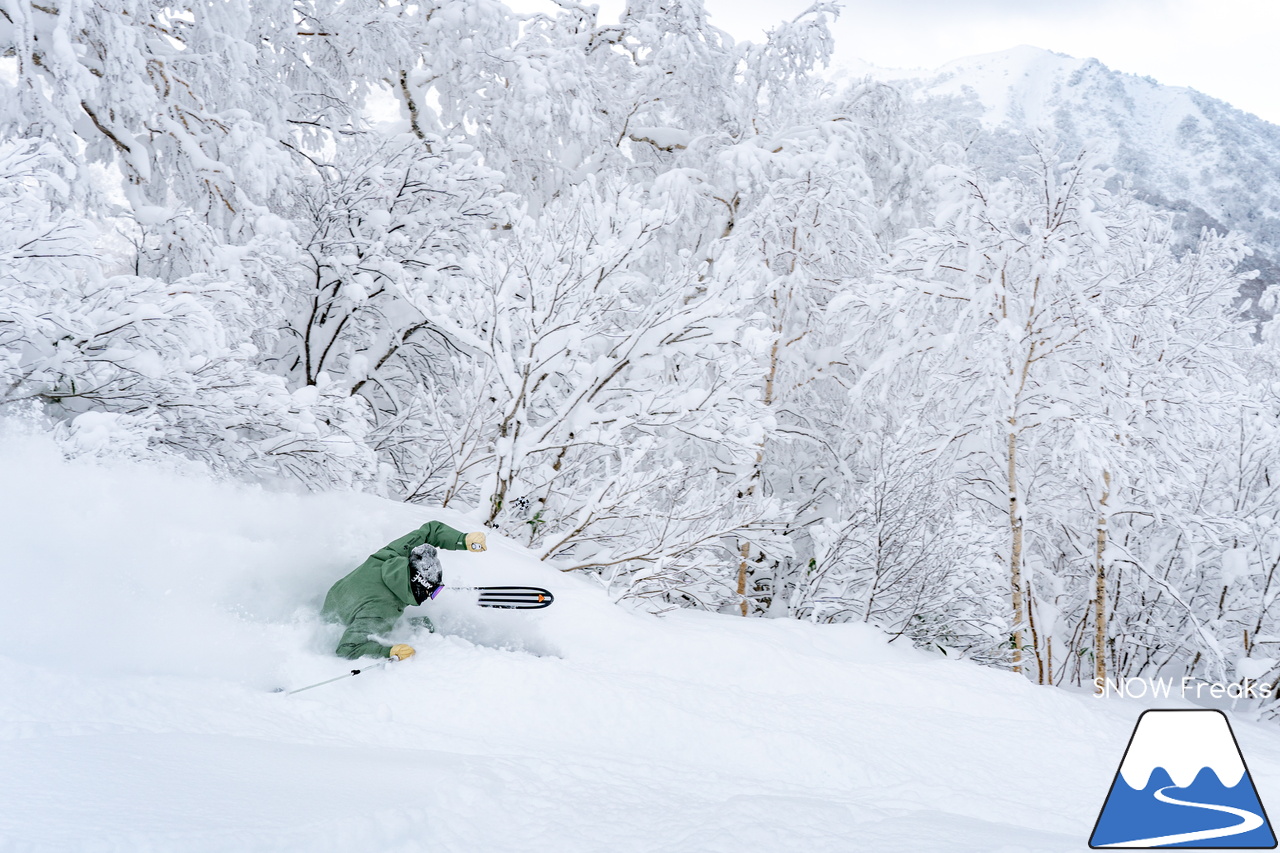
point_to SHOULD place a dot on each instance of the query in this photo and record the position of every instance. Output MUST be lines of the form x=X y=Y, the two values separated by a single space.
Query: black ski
x=511 y=597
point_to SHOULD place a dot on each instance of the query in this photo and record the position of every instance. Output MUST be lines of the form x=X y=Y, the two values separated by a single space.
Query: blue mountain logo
x=1183 y=783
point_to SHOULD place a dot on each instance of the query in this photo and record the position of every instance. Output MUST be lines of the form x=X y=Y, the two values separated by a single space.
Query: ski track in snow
x=1248 y=822
x=147 y=617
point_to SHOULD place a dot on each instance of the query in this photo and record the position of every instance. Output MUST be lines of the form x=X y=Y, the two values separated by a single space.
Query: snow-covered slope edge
x=146 y=615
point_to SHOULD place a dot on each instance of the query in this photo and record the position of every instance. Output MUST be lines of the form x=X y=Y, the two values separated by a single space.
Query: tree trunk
x=1100 y=587
x=1015 y=546
x=1030 y=599
x=757 y=474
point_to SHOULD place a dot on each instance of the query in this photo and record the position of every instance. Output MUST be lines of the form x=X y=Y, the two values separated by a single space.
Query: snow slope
x=146 y=615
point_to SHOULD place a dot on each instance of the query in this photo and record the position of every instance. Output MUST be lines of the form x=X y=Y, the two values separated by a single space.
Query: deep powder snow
x=147 y=615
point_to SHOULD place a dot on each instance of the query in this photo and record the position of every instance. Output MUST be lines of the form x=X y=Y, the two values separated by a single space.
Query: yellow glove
x=400 y=651
x=475 y=542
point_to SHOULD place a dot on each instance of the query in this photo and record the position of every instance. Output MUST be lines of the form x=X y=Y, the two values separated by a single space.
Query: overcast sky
x=1225 y=48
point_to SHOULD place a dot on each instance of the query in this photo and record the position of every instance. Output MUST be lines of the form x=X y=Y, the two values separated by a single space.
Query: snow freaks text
x=1183 y=688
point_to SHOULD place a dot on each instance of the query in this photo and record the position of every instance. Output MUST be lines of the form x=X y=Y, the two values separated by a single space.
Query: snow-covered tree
x=130 y=363
x=668 y=307
x=1055 y=307
x=598 y=387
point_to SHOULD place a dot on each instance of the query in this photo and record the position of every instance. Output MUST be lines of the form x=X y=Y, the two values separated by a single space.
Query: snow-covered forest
x=675 y=311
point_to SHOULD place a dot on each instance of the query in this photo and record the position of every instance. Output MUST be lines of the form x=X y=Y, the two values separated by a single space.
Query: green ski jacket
x=370 y=599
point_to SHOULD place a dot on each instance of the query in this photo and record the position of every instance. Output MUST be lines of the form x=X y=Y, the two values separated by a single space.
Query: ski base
x=512 y=597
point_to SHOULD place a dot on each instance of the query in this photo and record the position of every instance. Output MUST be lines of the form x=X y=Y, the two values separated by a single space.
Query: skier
x=370 y=599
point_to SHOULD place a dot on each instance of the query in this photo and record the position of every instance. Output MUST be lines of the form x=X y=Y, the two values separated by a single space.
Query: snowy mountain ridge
x=1198 y=157
x=1183 y=743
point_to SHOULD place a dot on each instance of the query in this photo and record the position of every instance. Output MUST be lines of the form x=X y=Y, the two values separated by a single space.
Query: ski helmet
x=425 y=567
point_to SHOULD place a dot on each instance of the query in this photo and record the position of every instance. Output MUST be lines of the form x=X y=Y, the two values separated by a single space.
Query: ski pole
x=331 y=680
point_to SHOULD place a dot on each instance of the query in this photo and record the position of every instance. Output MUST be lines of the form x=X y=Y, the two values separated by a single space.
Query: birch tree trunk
x=1015 y=545
x=757 y=476
x=742 y=577
x=1100 y=587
